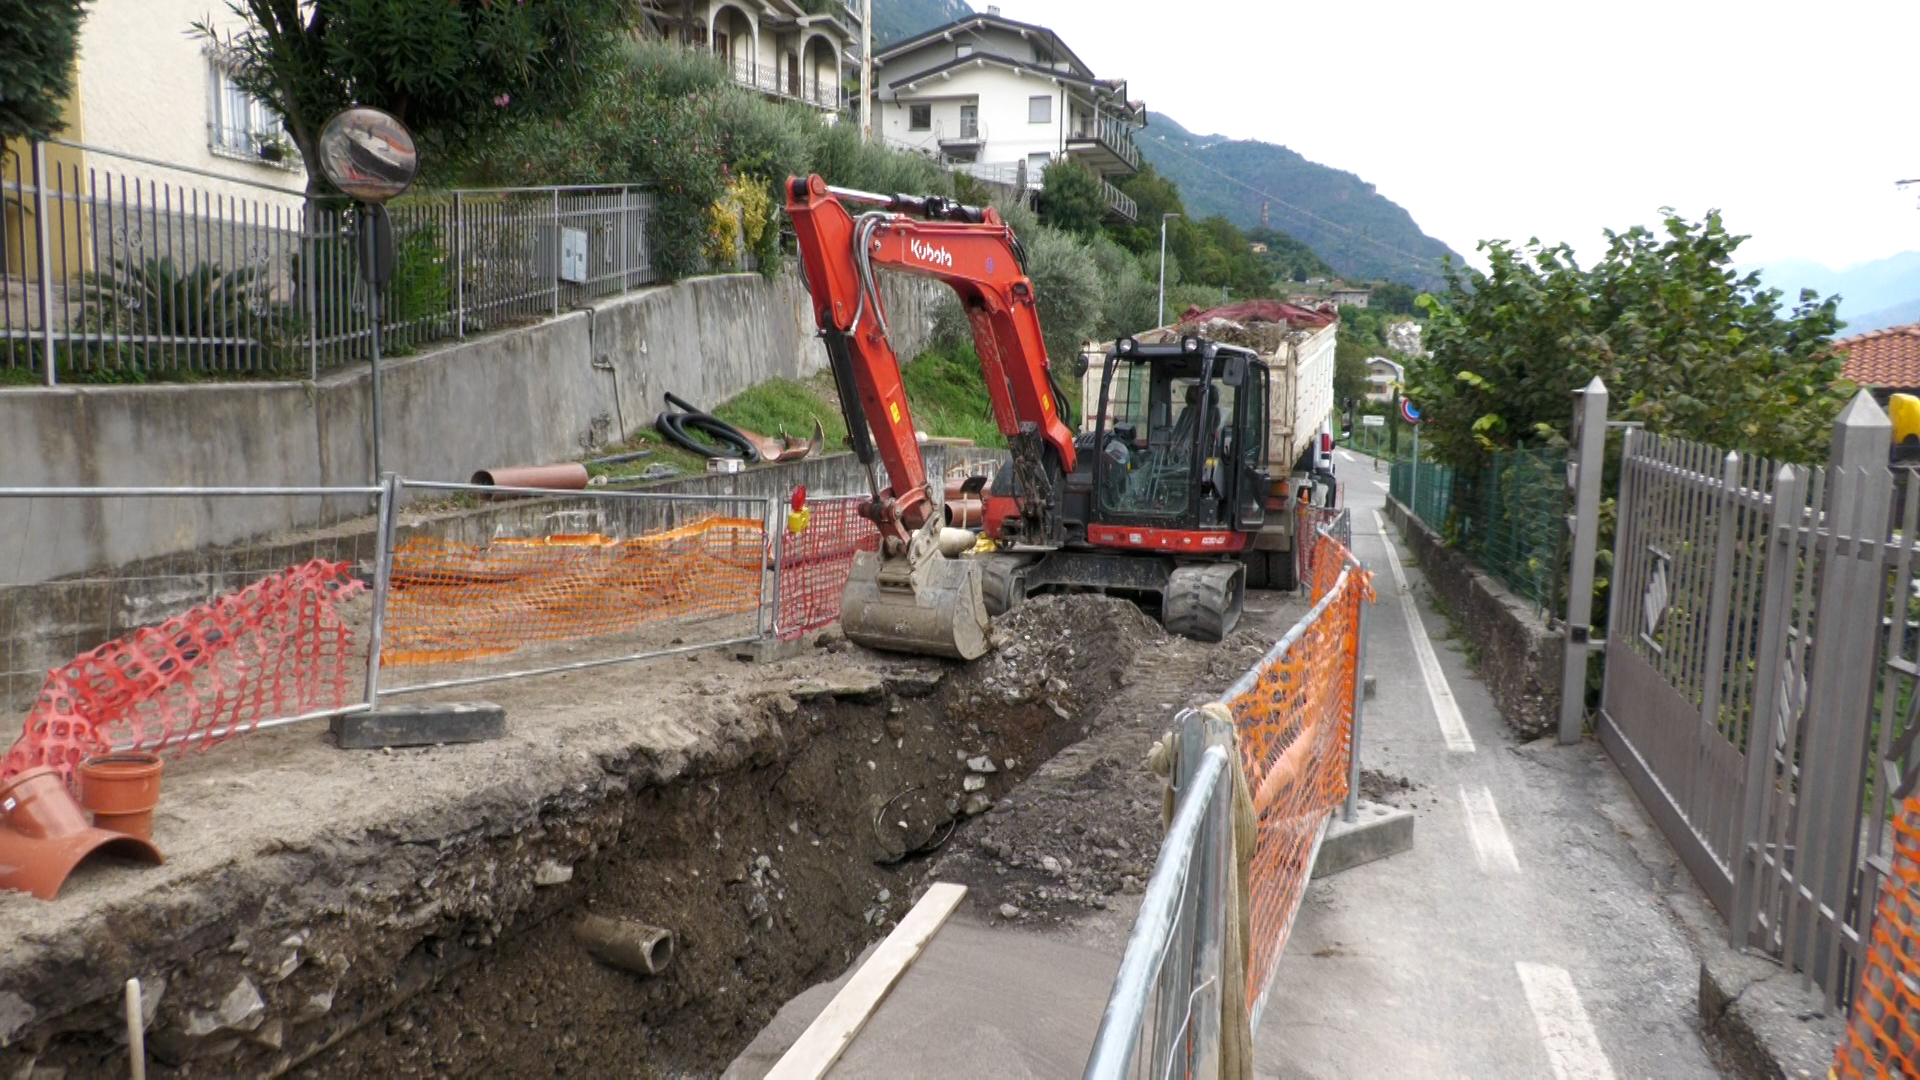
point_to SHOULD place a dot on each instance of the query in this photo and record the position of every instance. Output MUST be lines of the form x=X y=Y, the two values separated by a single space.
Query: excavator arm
x=974 y=253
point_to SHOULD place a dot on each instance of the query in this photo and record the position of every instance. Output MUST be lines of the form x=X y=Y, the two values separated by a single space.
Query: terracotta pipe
x=571 y=476
x=964 y=513
x=628 y=945
x=44 y=835
x=122 y=789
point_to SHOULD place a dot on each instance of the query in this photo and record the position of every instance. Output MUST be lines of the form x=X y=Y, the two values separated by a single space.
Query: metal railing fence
x=1763 y=680
x=116 y=268
x=1295 y=723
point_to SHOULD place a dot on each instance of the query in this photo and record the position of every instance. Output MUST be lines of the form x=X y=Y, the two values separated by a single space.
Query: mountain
x=1897 y=315
x=1363 y=234
x=1884 y=289
x=897 y=20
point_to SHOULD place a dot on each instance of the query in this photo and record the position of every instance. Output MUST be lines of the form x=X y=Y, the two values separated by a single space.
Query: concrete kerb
x=1376 y=832
x=1520 y=655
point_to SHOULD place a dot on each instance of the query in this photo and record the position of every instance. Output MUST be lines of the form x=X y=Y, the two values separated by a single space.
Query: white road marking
x=1452 y=725
x=1572 y=1048
x=1490 y=843
x=1378 y=484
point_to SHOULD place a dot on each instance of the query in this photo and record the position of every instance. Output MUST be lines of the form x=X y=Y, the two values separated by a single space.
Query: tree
x=1396 y=299
x=451 y=70
x=1289 y=259
x=36 y=64
x=1685 y=345
x=1071 y=198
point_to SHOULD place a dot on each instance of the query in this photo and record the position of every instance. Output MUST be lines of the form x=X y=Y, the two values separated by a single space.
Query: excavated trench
x=772 y=875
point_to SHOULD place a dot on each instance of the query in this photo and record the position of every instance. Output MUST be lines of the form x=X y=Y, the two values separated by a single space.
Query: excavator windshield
x=1167 y=426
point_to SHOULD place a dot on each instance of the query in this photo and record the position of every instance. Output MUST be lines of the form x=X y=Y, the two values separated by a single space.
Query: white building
x=1357 y=295
x=1001 y=99
x=774 y=46
x=1384 y=376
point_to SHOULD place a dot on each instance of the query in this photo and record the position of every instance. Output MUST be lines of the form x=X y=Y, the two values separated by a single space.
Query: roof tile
x=1883 y=358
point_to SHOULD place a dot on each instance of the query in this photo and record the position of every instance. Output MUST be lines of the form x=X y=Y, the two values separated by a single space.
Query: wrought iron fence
x=114 y=268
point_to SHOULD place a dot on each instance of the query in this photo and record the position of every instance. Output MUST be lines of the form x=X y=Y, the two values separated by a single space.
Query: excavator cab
x=1181 y=437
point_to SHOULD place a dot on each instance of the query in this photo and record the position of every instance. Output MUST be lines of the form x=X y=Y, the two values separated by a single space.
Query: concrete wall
x=522 y=396
x=1519 y=656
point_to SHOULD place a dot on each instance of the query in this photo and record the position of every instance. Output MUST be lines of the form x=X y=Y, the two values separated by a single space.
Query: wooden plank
x=821 y=1045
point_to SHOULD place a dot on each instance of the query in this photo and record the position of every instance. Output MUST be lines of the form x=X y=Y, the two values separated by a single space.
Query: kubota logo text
x=938 y=256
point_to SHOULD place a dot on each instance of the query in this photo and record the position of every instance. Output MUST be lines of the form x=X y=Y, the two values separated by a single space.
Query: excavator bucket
x=933 y=608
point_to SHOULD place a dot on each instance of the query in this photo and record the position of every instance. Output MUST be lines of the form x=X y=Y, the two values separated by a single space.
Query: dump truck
x=1297 y=345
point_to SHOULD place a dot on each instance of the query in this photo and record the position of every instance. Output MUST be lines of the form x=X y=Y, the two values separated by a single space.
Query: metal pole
x=866 y=71
x=44 y=237
x=1359 y=702
x=382 y=573
x=1590 y=437
x=459 y=268
x=310 y=281
x=555 y=253
x=1161 y=319
x=373 y=305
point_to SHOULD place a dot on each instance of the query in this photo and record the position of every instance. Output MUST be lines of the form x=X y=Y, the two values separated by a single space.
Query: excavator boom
x=909 y=597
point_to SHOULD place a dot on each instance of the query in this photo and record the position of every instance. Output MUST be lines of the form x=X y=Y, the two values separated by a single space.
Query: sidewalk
x=1525 y=933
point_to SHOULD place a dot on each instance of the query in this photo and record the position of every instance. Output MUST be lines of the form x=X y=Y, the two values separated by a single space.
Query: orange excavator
x=1158 y=501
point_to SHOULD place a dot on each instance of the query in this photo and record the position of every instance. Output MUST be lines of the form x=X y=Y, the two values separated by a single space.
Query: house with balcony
x=791 y=50
x=1001 y=99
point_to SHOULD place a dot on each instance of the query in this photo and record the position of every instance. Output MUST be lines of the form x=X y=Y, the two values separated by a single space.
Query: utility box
x=573 y=256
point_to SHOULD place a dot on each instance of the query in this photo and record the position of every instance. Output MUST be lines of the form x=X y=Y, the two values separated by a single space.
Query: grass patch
x=949 y=395
x=20 y=376
x=783 y=404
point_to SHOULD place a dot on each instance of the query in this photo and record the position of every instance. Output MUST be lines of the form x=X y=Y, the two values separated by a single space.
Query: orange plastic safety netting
x=815 y=557
x=449 y=602
x=1295 y=725
x=1883 y=1033
x=277 y=648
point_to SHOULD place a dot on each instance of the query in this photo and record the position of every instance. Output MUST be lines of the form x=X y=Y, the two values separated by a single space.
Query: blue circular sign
x=1407 y=412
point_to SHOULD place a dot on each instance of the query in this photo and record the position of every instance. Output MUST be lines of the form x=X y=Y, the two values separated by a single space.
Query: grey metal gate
x=1760 y=670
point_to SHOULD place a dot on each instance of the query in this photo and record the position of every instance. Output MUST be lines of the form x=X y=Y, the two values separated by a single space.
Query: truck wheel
x=1256 y=569
x=1003 y=582
x=1204 y=602
x=1283 y=571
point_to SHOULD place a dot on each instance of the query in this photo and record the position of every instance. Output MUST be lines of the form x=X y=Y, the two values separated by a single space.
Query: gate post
x=1840 y=690
x=1763 y=722
x=1590 y=441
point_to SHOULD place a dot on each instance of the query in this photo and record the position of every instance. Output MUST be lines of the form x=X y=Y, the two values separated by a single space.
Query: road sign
x=1371 y=420
x=1407 y=412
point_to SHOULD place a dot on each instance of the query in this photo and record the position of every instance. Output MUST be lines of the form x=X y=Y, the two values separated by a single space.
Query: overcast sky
x=1518 y=118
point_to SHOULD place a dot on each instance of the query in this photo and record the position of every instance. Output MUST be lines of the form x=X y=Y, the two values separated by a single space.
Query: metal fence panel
x=186 y=649
x=558 y=583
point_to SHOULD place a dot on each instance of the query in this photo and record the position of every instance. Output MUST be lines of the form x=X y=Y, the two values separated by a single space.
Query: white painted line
x=1572 y=1048
x=1378 y=484
x=1452 y=725
x=1490 y=843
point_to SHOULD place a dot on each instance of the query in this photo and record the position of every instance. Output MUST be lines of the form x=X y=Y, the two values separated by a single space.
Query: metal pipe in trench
x=627 y=945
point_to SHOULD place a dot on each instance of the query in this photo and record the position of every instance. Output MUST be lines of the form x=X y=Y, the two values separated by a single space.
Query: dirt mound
x=1086 y=826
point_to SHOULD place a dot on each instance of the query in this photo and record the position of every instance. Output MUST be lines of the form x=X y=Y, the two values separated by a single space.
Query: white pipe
x=136 y=1032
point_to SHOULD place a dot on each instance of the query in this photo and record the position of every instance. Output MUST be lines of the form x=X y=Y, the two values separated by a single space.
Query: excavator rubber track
x=1204 y=602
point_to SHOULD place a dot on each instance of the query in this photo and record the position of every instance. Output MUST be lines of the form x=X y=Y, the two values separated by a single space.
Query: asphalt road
x=1524 y=935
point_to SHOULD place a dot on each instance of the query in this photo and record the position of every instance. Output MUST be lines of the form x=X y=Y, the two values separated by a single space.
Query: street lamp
x=1164 y=218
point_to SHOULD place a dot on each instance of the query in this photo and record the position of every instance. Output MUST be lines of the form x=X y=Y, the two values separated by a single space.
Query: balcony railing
x=772 y=79
x=963 y=132
x=1110 y=133
x=1119 y=203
